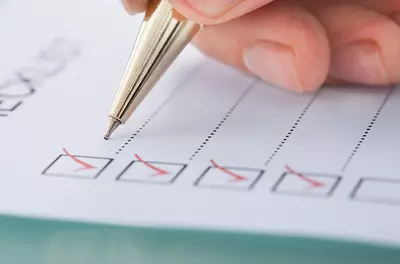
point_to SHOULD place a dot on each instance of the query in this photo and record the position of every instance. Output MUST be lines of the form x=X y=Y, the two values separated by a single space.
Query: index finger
x=216 y=11
x=134 y=6
x=206 y=12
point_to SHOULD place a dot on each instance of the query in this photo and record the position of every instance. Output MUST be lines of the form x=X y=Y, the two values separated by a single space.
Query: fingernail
x=360 y=62
x=212 y=8
x=274 y=63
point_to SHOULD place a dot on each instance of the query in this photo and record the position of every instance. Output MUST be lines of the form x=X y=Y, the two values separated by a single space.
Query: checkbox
x=151 y=172
x=306 y=184
x=9 y=105
x=377 y=190
x=228 y=177
x=67 y=165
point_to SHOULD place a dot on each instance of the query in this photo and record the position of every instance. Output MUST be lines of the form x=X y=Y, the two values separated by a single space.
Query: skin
x=299 y=45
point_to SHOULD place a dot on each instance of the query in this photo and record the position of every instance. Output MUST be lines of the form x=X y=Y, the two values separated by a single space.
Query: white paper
x=209 y=148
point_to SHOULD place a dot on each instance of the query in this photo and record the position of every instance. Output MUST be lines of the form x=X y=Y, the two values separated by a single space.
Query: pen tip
x=112 y=126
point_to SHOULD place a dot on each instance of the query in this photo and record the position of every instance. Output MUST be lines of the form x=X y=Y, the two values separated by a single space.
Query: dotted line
x=137 y=132
x=291 y=130
x=367 y=130
x=221 y=123
x=144 y=125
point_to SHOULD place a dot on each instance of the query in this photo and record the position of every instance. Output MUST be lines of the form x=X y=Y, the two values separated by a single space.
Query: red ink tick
x=314 y=183
x=235 y=176
x=158 y=170
x=85 y=166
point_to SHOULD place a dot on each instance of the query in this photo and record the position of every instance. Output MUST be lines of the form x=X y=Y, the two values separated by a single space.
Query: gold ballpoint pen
x=164 y=33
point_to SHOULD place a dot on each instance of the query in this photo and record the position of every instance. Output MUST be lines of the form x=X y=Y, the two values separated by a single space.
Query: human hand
x=299 y=44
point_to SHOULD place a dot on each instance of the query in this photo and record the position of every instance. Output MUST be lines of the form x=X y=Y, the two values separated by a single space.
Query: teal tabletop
x=41 y=242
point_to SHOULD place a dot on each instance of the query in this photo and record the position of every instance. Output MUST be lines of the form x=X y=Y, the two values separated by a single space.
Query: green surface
x=34 y=241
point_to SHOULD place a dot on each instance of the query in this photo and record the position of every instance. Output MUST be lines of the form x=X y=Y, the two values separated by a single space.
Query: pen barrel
x=164 y=33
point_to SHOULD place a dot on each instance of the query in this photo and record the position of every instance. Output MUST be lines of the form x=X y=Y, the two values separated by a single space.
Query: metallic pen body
x=164 y=33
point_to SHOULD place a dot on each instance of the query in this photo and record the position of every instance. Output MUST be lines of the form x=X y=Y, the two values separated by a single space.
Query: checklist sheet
x=210 y=148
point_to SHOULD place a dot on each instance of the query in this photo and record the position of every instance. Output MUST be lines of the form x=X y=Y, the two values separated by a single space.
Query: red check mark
x=154 y=168
x=312 y=182
x=85 y=166
x=236 y=177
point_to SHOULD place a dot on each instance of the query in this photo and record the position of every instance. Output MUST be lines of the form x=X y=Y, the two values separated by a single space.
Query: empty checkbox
x=377 y=190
